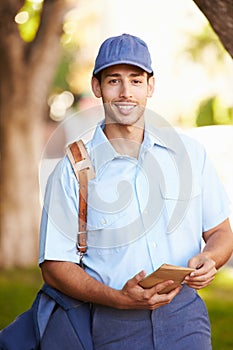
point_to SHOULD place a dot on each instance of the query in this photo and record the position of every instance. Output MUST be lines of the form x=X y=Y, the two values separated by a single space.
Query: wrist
x=114 y=298
x=208 y=255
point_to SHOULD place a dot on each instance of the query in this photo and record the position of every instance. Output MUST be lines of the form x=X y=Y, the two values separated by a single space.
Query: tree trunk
x=21 y=145
x=220 y=15
x=20 y=208
x=27 y=70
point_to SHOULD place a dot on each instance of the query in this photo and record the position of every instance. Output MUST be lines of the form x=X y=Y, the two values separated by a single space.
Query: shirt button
x=154 y=244
x=103 y=221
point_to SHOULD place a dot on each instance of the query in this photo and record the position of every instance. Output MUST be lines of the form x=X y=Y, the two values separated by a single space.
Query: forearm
x=72 y=280
x=219 y=244
x=217 y=250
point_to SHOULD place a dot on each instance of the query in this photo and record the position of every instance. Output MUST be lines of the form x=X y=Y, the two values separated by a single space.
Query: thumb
x=196 y=261
x=138 y=277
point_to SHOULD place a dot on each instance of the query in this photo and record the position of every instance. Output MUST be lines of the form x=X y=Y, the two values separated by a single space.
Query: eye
x=114 y=81
x=136 y=81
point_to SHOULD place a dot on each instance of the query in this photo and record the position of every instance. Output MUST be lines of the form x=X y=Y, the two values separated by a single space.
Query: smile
x=125 y=108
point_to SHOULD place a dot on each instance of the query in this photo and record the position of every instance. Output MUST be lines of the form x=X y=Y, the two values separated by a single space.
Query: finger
x=161 y=286
x=174 y=289
x=201 y=275
x=207 y=271
x=199 y=286
x=200 y=283
x=163 y=299
x=195 y=262
x=201 y=263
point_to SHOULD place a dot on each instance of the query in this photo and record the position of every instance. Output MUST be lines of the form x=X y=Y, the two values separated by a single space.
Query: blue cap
x=123 y=49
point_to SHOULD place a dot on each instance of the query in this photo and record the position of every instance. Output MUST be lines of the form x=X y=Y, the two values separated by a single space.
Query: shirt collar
x=162 y=137
x=102 y=151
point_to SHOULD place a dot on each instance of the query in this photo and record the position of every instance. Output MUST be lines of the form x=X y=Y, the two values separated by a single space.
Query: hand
x=133 y=296
x=204 y=273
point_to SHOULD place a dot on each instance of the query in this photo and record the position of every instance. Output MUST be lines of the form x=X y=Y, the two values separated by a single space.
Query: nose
x=125 y=90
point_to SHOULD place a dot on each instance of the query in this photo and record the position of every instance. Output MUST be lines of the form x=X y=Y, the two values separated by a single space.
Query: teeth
x=126 y=107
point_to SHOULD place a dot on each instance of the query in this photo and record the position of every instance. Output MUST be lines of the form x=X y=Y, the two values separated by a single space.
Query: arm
x=217 y=251
x=72 y=280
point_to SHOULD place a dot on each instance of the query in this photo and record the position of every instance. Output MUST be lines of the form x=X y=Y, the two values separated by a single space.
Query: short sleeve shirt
x=141 y=212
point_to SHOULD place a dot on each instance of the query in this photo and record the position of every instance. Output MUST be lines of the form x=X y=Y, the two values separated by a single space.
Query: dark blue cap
x=123 y=49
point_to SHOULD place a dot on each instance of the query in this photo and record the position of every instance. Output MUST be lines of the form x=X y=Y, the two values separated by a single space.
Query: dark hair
x=99 y=75
x=149 y=75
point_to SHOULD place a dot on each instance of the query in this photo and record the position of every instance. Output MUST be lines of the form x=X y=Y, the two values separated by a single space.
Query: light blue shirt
x=141 y=212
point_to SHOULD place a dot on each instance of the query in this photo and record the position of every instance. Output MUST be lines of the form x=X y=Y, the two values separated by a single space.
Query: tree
x=220 y=15
x=27 y=70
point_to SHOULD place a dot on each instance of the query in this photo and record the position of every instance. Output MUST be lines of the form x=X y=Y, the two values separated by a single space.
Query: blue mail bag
x=55 y=321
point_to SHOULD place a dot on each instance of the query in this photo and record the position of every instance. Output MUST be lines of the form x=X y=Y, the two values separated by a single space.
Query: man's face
x=124 y=90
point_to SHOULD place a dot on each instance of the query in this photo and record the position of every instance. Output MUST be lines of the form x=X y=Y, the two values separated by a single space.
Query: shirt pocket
x=179 y=205
x=173 y=193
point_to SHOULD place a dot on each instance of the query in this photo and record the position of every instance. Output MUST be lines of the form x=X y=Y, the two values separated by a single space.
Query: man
x=154 y=198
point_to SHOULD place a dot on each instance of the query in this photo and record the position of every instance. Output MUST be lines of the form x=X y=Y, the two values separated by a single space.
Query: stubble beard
x=114 y=116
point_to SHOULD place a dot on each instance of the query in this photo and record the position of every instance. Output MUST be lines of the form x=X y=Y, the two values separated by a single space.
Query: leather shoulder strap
x=84 y=171
x=80 y=159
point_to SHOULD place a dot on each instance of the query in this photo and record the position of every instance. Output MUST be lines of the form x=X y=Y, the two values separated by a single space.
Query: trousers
x=180 y=325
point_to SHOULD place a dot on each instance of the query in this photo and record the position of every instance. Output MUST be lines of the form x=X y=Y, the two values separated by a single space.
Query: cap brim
x=136 y=64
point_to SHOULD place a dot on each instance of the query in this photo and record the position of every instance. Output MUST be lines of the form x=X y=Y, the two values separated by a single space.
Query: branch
x=49 y=32
x=220 y=15
x=10 y=7
x=11 y=44
x=44 y=52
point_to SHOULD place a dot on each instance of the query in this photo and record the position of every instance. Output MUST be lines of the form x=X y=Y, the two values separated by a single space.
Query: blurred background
x=47 y=54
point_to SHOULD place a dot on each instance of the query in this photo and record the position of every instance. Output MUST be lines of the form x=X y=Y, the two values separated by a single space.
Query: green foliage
x=205 y=40
x=205 y=115
x=18 y=289
x=30 y=19
x=212 y=112
x=204 y=49
x=60 y=81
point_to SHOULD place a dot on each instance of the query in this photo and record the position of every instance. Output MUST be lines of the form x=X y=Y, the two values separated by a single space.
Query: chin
x=130 y=119
x=127 y=120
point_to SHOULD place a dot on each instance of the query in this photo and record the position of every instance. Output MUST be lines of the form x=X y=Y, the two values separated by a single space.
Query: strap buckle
x=81 y=254
x=81 y=247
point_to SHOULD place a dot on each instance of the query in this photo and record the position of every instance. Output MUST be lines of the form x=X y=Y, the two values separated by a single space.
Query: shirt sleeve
x=216 y=204
x=59 y=222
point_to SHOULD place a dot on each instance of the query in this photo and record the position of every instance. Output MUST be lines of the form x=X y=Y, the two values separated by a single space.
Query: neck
x=126 y=139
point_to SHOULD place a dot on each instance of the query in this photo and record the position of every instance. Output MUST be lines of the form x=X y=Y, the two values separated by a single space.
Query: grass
x=18 y=288
x=219 y=300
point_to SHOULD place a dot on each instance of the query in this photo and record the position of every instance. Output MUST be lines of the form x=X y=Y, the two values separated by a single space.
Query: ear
x=96 y=87
x=150 y=86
